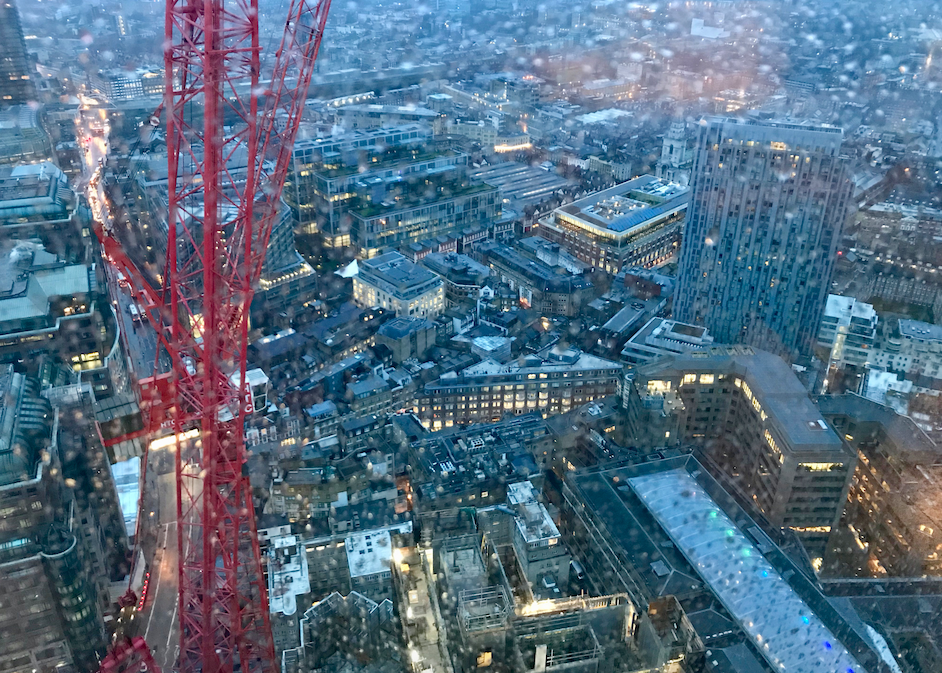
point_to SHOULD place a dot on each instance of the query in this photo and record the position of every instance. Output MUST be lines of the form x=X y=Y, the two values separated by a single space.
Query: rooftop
x=781 y=625
x=459 y=269
x=559 y=360
x=901 y=430
x=396 y=275
x=482 y=450
x=395 y=268
x=521 y=183
x=448 y=188
x=626 y=206
x=661 y=336
x=25 y=290
x=127 y=477
x=369 y=553
x=533 y=520
x=923 y=331
x=793 y=135
x=552 y=279
x=372 y=108
x=394 y=157
x=847 y=308
x=26 y=421
x=362 y=139
x=32 y=191
x=772 y=382
x=402 y=327
x=287 y=574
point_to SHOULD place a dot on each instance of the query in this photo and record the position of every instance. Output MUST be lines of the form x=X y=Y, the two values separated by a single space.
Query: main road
x=159 y=623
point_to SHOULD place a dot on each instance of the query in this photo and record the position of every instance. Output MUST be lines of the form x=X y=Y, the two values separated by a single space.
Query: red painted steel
x=220 y=218
x=129 y=656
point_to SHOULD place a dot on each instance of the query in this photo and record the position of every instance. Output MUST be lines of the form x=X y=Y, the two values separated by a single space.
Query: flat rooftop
x=782 y=626
x=653 y=560
x=418 y=197
x=127 y=478
x=770 y=380
x=846 y=308
x=626 y=206
x=396 y=269
x=915 y=329
x=911 y=441
x=533 y=520
x=550 y=279
x=368 y=553
x=787 y=135
x=377 y=109
x=521 y=183
x=362 y=139
x=580 y=362
x=287 y=574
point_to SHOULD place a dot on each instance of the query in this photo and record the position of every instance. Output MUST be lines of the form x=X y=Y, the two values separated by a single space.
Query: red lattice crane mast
x=220 y=222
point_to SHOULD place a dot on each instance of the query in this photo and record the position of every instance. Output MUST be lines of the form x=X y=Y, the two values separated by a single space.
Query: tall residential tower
x=16 y=84
x=769 y=200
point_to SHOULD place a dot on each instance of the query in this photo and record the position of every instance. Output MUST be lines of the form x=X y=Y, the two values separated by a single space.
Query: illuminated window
x=484 y=659
x=690 y=378
x=658 y=387
x=773 y=445
x=821 y=467
x=706 y=378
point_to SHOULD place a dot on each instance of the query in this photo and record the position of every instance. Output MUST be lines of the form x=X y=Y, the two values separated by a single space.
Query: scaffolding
x=483 y=609
x=561 y=647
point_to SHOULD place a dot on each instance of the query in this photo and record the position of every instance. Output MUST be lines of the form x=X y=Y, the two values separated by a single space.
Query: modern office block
x=324 y=172
x=636 y=223
x=768 y=203
x=755 y=427
x=892 y=508
x=392 y=282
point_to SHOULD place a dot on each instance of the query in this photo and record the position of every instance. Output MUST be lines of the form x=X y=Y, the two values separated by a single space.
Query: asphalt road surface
x=160 y=613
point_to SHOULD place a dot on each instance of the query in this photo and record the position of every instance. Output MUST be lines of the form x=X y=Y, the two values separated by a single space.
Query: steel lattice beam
x=219 y=225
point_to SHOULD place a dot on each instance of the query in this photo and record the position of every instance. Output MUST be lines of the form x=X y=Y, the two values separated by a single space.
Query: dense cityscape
x=598 y=338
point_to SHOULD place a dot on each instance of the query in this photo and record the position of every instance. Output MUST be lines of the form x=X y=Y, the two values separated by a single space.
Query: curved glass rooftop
x=782 y=626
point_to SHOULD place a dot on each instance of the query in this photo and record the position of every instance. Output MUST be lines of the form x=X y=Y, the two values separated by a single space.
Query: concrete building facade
x=755 y=427
x=392 y=282
x=892 y=510
x=486 y=391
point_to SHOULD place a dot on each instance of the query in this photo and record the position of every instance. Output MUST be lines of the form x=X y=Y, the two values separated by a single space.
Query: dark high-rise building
x=50 y=615
x=768 y=203
x=16 y=84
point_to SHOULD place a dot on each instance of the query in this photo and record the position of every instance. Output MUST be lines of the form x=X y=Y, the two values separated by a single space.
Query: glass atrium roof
x=779 y=622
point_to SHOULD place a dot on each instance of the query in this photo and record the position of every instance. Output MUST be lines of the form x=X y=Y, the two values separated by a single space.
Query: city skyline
x=523 y=337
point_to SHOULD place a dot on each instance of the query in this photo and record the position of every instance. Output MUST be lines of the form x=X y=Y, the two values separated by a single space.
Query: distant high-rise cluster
x=765 y=218
x=16 y=85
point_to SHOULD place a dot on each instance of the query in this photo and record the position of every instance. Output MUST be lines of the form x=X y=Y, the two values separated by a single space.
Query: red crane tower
x=219 y=225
